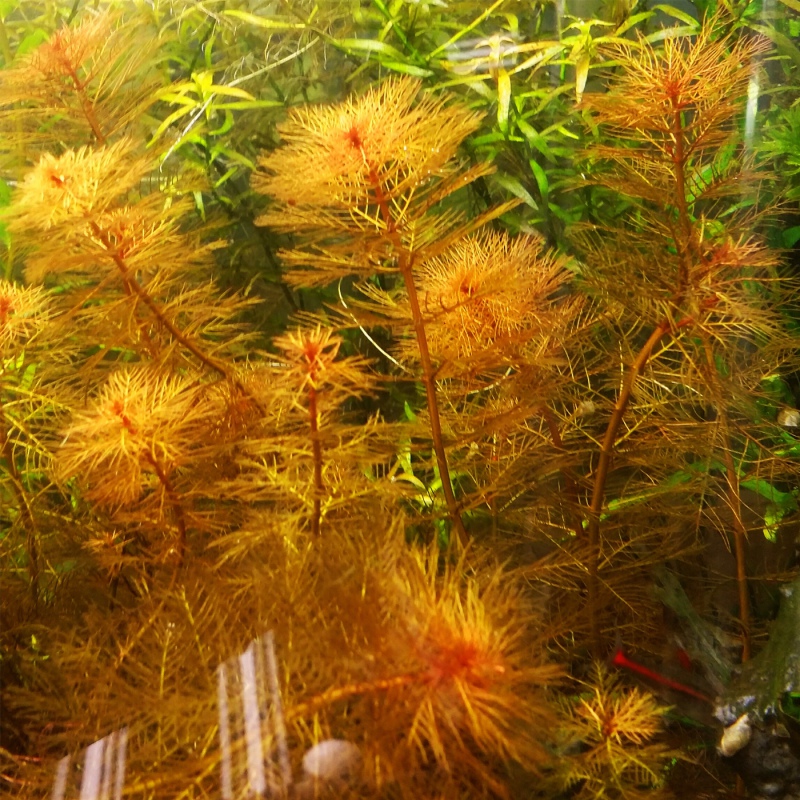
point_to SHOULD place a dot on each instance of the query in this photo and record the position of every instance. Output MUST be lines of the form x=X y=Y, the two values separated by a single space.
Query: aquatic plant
x=441 y=487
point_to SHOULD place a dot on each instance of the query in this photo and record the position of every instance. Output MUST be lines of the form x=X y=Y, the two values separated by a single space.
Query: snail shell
x=735 y=737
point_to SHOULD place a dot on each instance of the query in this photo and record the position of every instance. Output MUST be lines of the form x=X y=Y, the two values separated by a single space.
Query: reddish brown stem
x=87 y=108
x=140 y=292
x=429 y=381
x=175 y=503
x=316 y=448
x=345 y=692
x=684 y=218
x=601 y=474
x=739 y=540
x=406 y=266
x=685 y=251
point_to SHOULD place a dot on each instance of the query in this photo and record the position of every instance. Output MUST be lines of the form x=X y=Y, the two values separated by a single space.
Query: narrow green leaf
x=413 y=480
x=227 y=124
x=368 y=46
x=632 y=21
x=173 y=117
x=241 y=105
x=564 y=132
x=407 y=69
x=181 y=99
x=535 y=139
x=31 y=42
x=233 y=155
x=198 y=201
x=516 y=188
x=231 y=91
x=581 y=74
x=793 y=4
x=560 y=213
x=230 y=173
x=539 y=59
x=683 y=16
x=786 y=501
x=541 y=179
x=671 y=33
x=264 y=22
x=503 y=98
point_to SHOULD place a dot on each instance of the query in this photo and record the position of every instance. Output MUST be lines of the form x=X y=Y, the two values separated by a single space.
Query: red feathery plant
x=141 y=426
x=444 y=682
x=137 y=300
x=360 y=180
x=77 y=75
x=98 y=77
x=134 y=284
x=690 y=294
x=368 y=184
x=178 y=434
x=25 y=337
x=499 y=319
x=308 y=458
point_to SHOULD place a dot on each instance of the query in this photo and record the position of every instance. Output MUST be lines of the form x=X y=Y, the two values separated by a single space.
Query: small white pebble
x=331 y=760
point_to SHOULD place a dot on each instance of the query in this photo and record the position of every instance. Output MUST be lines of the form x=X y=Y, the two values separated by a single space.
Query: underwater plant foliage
x=311 y=420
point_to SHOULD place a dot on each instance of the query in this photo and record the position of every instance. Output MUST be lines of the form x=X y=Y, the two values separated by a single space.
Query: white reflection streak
x=224 y=732
x=252 y=722
x=60 y=783
x=753 y=91
x=92 y=769
x=122 y=747
x=277 y=711
x=108 y=766
x=482 y=55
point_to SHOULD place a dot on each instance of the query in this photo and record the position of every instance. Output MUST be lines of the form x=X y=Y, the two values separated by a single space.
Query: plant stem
x=601 y=475
x=406 y=267
x=734 y=503
x=429 y=381
x=175 y=502
x=686 y=230
x=316 y=448
x=31 y=533
x=739 y=539
x=87 y=108
x=345 y=692
x=163 y=320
